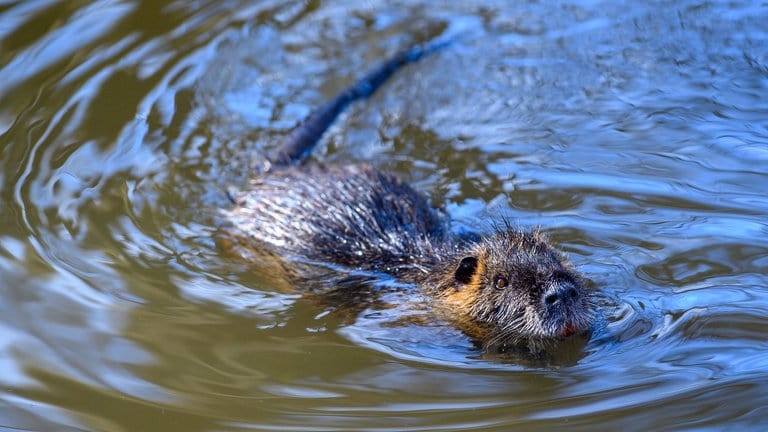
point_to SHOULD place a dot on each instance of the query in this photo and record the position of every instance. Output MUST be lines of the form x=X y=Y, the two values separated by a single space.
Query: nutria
x=508 y=286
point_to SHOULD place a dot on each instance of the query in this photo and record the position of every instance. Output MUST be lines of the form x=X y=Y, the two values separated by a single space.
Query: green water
x=634 y=134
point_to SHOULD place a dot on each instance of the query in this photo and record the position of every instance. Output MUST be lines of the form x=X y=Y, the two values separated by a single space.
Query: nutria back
x=354 y=215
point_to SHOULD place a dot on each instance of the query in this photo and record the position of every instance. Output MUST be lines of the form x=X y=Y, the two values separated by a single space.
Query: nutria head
x=512 y=286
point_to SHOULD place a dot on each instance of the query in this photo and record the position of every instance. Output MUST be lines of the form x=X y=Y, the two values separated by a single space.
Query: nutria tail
x=299 y=143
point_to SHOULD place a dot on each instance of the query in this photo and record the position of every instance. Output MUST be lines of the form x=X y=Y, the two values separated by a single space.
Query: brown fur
x=328 y=224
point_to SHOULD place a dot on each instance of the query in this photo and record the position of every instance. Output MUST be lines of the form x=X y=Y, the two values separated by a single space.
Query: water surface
x=634 y=134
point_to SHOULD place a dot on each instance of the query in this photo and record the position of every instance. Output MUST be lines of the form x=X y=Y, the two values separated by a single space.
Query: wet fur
x=355 y=215
x=321 y=222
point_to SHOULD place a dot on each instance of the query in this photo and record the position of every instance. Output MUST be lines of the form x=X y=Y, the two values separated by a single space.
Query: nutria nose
x=560 y=294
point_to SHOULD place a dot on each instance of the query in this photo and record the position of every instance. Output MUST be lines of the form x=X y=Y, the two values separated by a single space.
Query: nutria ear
x=466 y=269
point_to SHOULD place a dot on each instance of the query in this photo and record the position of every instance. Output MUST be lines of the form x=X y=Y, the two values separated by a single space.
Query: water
x=634 y=134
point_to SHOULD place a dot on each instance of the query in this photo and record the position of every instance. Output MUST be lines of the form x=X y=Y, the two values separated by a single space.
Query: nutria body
x=507 y=286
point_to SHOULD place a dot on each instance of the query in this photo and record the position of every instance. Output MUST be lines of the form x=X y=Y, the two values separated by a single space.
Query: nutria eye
x=501 y=282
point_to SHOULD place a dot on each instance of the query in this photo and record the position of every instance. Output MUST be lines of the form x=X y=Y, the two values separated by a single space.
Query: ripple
x=632 y=137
